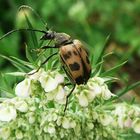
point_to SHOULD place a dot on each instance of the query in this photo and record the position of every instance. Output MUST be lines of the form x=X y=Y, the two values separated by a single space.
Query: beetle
x=73 y=56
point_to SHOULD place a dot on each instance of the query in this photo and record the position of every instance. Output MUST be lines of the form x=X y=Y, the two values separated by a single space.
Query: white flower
x=66 y=123
x=99 y=80
x=31 y=117
x=7 y=113
x=60 y=95
x=90 y=126
x=121 y=121
x=59 y=121
x=19 y=134
x=136 y=125
x=4 y=133
x=51 y=129
x=49 y=83
x=120 y=110
x=59 y=78
x=106 y=93
x=90 y=95
x=23 y=89
x=83 y=101
x=105 y=119
x=35 y=75
x=72 y=124
x=21 y=106
x=128 y=122
x=95 y=88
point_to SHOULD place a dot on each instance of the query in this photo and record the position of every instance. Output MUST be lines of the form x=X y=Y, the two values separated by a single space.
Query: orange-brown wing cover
x=72 y=59
x=85 y=59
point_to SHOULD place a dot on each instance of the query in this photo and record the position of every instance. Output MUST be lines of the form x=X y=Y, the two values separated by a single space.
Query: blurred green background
x=88 y=20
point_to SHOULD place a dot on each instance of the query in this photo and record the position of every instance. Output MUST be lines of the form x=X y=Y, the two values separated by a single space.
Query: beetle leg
x=46 y=47
x=43 y=63
x=68 y=97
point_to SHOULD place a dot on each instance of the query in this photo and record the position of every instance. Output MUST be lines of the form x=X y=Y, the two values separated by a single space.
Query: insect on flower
x=73 y=56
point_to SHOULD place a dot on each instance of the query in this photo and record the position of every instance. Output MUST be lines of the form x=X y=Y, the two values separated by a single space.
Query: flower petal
x=105 y=119
x=136 y=126
x=7 y=113
x=106 y=94
x=35 y=75
x=59 y=78
x=23 y=89
x=83 y=101
x=21 y=106
x=60 y=93
x=48 y=83
x=66 y=123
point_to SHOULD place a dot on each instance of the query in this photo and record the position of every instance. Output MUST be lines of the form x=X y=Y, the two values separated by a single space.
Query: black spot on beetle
x=67 y=55
x=80 y=49
x=75 y=53
x=79 y=80
x=74 y=67
x=87 y=60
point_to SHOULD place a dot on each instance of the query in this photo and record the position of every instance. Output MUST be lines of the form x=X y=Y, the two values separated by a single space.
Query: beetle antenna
x=17 y=30
x=37 y=15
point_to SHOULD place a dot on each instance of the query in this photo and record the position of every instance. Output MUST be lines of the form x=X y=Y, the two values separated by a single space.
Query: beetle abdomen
x=73 y=62
x=85 y=60
x=76 y=62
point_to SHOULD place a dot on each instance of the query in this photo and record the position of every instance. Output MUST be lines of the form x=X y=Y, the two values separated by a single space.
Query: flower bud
x=19 y=134
x=21 y=106
x=4 y=133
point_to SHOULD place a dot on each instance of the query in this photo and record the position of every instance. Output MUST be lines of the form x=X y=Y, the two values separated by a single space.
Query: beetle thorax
x=62 y=39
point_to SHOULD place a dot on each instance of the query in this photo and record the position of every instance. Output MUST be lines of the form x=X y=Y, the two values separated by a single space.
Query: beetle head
x=48 y=35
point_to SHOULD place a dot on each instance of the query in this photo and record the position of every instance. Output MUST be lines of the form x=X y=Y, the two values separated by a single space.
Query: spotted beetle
x=73 y=56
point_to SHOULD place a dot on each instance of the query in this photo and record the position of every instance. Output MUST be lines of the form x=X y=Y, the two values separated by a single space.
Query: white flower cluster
x=95 y=88
x=51 y=83
x=38 y=111
x=127 y=116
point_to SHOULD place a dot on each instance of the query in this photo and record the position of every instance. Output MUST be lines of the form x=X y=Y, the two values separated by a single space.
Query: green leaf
x=16 y=73
x=25 y=63
x=101 y=52
x=113 y=70
x=34 y=42
x=126 y=89
x=98 y=67
x=5 y=87
x=29 y=56
x=17 y=64
x=110 y=79
x=33 y=35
